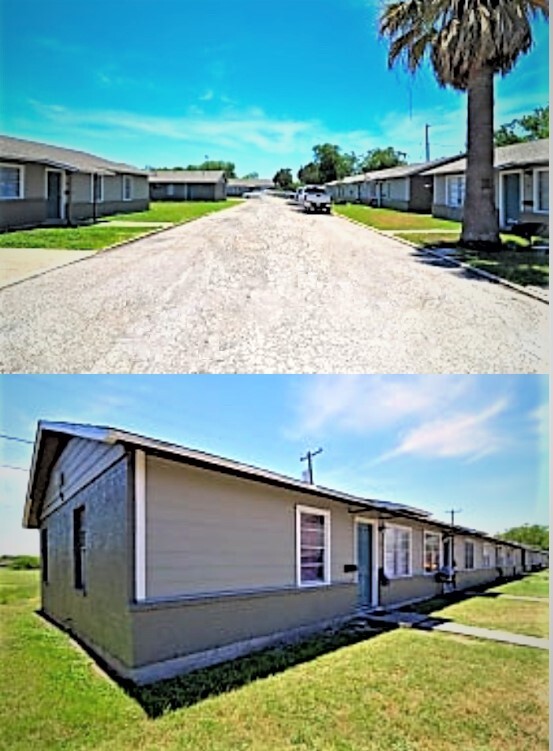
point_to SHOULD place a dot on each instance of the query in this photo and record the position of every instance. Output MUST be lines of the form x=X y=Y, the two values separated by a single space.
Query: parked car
x=252 y=194
x=316 y=198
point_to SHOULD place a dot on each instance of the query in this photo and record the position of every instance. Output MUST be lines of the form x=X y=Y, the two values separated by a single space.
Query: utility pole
x=309 y=457
x=427 y=142
x=452 y=511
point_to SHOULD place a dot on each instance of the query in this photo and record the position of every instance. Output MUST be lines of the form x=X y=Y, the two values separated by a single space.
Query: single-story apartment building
x=405 y=187
x=41 y=184
x=188 y=185
x=521 y=184
x=236 y=187
x=163 y=559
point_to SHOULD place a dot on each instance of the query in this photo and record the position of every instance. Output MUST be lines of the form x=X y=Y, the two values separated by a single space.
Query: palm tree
x=468 y=42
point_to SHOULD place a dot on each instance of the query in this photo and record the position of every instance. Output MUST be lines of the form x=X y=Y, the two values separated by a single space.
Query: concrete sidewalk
x=401 y=619
x=17 y=264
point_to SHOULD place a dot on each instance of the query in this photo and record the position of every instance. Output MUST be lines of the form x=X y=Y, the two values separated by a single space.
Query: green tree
x=309 y=174
x=332 y=163
x=468 y=42
x=283 y=178
x=536 y=535
x=381 y=159
x=229 y=168
x=527 y=128
x=251 y=176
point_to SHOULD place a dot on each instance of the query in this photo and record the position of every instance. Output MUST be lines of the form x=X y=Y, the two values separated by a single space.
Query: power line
x=15 y=438
x=309 y=456
x=10 y=466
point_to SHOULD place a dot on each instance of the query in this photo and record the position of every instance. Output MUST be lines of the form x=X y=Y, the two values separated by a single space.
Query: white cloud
x=364 y=404
x=470 y=435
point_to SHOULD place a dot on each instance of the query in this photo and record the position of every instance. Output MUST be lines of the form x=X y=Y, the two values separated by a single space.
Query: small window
x=79 y=547
x=44 y=553
x=313 y=546
x=487 y=556
x=469 y=554
x=11 y=182
x=455 y=188
x=127 y=188
x=432 y=547
x=542 y=193
x=397 y=551
x=170 y=191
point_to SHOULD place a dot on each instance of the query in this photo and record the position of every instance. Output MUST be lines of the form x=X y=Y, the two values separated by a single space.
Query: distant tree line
x=20 y=562
x=536 y=535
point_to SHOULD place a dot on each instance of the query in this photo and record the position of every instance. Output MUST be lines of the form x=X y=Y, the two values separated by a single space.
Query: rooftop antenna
x=309 y=458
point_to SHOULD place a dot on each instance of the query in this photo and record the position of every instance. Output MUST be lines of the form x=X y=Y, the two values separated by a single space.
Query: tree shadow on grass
x=522 y=266
x=189 y=689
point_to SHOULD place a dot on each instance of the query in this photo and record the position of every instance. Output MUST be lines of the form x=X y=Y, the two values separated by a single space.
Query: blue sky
x=170 y=82
x=476 y=443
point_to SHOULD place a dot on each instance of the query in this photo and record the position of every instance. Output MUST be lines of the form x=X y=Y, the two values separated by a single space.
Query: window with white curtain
x=397 y=551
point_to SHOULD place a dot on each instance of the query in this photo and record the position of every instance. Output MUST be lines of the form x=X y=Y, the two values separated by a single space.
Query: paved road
x=261 y=288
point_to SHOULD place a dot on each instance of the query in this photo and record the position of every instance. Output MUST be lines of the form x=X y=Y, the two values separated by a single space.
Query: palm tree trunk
x=480 y=219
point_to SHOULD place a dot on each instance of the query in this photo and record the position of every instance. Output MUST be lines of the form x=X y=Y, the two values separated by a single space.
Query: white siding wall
x=209 y=532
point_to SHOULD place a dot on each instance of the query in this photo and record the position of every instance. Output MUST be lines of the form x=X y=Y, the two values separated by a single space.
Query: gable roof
x=52 y=437
x=187 y=176
x=389 y=173
x=22 y=151
x=505 y=157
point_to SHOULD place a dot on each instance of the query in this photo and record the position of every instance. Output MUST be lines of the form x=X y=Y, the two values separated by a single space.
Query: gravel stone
x=265 y=288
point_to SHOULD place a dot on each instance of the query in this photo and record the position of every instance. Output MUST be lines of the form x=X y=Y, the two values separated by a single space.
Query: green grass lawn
x=536 y=585
x=175 y=211
x=388 y=219
x=403 y=690
x=102 y=235
x=517 y=616
x=93 y=237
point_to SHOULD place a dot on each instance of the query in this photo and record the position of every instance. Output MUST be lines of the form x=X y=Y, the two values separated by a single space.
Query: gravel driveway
x=263 y=288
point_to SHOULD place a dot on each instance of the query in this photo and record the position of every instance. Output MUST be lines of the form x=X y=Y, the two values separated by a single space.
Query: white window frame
x=537 y=209
x=432 y=533
x=487 y=555
x=21 y=170
x=390 y=574
x=460 y=190
x=325 y=513
x=101 y=197
x=127 y=180
x=469 y=542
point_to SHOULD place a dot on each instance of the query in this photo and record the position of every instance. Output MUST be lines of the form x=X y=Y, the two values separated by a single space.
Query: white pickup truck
x=315 y=198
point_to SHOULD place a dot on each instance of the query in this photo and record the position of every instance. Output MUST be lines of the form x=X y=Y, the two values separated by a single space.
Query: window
x=432 y=546
x=487 y=555
x=44 y=553
x=313 y=546
x=11 y=182
x=170 y=190
x=397 y=551
x=127 y=188
x=469 y=554
x=499 y=559
x=97 y=188
x=79 y=547
x=455 y=190
x=542 y=191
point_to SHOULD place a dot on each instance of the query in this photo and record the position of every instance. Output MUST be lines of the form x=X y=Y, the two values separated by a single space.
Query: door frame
x=375 y=556
x=502 y=192
x=61 y=207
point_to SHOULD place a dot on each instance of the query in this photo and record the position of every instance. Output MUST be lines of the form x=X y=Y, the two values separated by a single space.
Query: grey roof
x=401 y=170
x=51 y=437
x=186 y=176
x=505 y=157
x=21 y=151
x=258 y=182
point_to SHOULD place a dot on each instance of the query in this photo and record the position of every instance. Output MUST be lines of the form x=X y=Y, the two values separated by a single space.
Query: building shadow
x=165 y=696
